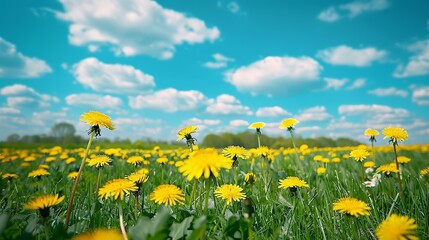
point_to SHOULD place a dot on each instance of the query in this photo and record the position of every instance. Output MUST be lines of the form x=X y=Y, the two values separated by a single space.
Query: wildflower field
x=362 y=192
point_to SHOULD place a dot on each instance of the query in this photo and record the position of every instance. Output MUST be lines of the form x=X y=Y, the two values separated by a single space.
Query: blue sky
x=338 y=67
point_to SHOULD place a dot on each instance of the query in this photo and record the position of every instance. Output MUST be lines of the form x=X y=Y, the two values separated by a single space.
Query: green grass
x=278 y=213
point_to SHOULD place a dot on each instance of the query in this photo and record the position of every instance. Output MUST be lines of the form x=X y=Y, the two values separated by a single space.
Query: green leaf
x=156 y=228
x=178 y=230
x=199 y=227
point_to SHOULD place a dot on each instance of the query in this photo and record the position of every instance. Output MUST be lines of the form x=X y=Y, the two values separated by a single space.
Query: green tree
x=63 y=132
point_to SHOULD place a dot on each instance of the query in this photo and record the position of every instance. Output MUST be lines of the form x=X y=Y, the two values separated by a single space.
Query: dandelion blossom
x=359 y=154
x=387 y=168
x=288 y=124
x=167 y=194
x=403 y=159
x=38 y=173
x=351 y=206
x=43 y=203
x=72 y=175
x=250 y=178
x=371 y=133
x=186 y=132
x=135 y=160
x=99 y=161
x=229 y=192
x=321 y=170
x=235 y=152
x=397 y=227
x=257 y=125
x=395 y=134
x=117 y=188
x=97 y=119
x=100 y=234
x=424 y=171
x=138 y=177
x=369 y=164
x=292 y=182
x=9 y=176
x=205 y=162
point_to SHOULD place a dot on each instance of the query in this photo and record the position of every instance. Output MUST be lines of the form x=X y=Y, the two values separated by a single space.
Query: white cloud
x=220 y=61
x=112 y=78
x=275 y=111
x=300 y=130
x=169 y=100
x=277 y=76
x=329 y=15
x=203 y=124
x=391 y=91
x=317 y=113
x=352 y=9
x=418 y=64
x=14 y=64
x=21 y=96
x=48 y=118
x=225 y=104
x=94 y=100
x=345 y=55
x=335 y=83
x=233 y=7
x=238 y=123
x=9 y=110
x=358 y=83
x=420 y=95
x=132 y=27
x=362 y=109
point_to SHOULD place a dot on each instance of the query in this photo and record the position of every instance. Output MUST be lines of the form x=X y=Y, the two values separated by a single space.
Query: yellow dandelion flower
x=205 y=162
x=369 y=164
x=135 y=160
x=99 y=161
x=397 y=227
x=403 y=159
x=288 y=123
x=229 y=193
x=50 y=159
x=97 y=119
x=30 y=159
x=44 y=166
x=72 y=175
x=395 y=134
x=321 y=170
x=100 y=234
x=250 y=178
x=257 y=125
x=179 y=163
x=38 y=173
x=235 y=152
x=371 y=133
x=144 y=171
x=424 y=171
x=336 y=160
x=117 y=188
x=70 y=160
x=43 y=203
x=167 y=194
x=351 y=206
x=359 y=154
x=162 y=160
x=387 y=168
x=186 y=132
x=292 y=182
x=9 y=176
x=138 y=177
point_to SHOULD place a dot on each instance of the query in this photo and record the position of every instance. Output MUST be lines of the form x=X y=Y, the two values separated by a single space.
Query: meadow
x=231 y=193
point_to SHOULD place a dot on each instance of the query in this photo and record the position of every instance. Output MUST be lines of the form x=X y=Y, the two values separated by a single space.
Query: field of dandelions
x=362 y=192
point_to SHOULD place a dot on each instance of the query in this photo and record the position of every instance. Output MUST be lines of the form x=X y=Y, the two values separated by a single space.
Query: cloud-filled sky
x=338 y=67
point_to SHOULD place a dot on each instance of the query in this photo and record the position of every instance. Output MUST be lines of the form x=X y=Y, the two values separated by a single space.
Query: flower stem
x=121 y=223
x=259 y=139
x=193 y=194
x=296 y=150
x=373 y=152
x=362 y=171
x=399 y=172
x=206 y=200
x=98 y=182
x=69 y=208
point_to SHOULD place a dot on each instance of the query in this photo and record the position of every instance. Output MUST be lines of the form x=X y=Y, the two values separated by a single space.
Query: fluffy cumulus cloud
x=112 y=78
x=345 y=55
x=335 y=83
x=275 y=111
x=238 y=123
x=226 y=104
x=418 y=64
x=277 y=76
x=169 y=100
x=317 y=113
x=14 y=64
x=132 y=27
x=219 y=61
x=9 y=110
x=375 y=114
x=358 y=83
x=352 y=9
x=21 y=96
x=386 y=92
x=93 y=100
x=420 y=95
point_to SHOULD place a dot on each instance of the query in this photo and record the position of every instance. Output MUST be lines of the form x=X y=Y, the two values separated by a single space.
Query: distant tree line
x=248 y=139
